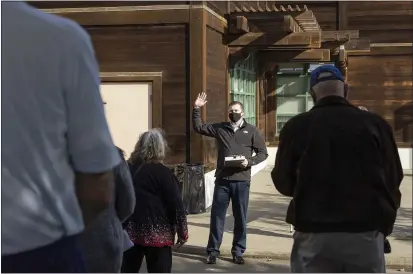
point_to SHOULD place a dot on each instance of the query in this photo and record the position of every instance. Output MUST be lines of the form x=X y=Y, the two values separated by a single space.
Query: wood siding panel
x=216 y=108
x=383 y=84
x=382 y=21
x=87 y=4
x=151 y=49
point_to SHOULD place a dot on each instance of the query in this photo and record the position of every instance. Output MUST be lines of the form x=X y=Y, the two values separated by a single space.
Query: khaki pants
x=338 y=252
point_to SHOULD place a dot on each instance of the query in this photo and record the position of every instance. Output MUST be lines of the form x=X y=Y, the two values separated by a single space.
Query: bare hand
x=244 y=164
x=178 y=244
x=201 y=100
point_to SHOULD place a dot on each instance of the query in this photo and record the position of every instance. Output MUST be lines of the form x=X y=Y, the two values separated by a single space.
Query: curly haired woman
x=159 y=213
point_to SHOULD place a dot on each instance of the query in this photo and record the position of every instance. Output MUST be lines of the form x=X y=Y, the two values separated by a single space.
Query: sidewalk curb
x=399 y=263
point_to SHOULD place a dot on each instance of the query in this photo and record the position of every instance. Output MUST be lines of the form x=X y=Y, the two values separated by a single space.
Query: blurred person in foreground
x=236 y=137
x=159 y=212
x=103 y=242
x=341 y=166
x=57 y=152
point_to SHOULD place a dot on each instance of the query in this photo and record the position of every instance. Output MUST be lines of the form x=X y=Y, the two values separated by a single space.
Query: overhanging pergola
x=295 y=31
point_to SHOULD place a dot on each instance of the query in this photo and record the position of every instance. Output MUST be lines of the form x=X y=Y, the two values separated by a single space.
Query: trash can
x=192 y=186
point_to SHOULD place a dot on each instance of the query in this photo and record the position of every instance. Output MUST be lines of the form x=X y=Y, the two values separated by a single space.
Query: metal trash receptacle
x=191 y=182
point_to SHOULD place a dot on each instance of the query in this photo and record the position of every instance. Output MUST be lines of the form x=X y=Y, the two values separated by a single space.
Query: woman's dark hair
x=121 y=152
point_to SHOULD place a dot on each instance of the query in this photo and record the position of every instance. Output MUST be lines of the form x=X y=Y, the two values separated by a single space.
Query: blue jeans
x=62 y=256
x=224 y=191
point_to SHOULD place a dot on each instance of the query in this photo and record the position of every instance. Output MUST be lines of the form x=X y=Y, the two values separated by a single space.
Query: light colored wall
x=128 y=111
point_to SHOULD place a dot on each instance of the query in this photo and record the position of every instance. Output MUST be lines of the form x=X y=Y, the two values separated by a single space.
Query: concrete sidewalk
x=269 y=236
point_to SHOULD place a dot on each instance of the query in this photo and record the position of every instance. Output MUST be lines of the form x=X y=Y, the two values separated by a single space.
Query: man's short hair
x=233 y=103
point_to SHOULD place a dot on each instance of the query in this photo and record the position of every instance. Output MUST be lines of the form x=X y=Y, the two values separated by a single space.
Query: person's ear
x=312 y=93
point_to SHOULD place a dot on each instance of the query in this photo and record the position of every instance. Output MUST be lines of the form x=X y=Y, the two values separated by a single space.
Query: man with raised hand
x=236 y=139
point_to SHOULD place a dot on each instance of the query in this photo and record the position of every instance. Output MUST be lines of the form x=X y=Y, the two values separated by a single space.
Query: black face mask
x=234 y=117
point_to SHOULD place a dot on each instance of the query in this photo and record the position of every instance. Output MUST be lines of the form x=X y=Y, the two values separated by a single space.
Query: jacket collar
x=332 y=101
x=244 y=124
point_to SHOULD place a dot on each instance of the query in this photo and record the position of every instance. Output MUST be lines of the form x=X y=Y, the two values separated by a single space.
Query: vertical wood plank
x=270 y=99
x=342 y=15
x=197 y=63
x=228 y=82
x=343 y=25
x=258 y=88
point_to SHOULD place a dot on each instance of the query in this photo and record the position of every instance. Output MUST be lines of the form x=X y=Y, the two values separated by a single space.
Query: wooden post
x=343 y=62
x=197 y=63
x=342 y=15
x=342 y=24
x=228 y=82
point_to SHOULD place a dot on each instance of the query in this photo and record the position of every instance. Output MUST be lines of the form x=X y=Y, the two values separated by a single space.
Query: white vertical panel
x=128 y=111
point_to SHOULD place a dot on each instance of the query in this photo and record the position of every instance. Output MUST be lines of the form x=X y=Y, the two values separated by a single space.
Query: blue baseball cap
x=334 y=72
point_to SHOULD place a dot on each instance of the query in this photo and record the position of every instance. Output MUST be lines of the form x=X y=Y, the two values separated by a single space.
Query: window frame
x=304 y=73
x=243 y=86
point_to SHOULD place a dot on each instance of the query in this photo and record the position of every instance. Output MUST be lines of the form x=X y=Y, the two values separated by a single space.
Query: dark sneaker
x=212 y=259
x=238 y=260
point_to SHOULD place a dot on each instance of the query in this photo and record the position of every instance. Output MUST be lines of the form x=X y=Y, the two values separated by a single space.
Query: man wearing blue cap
x=341 y=166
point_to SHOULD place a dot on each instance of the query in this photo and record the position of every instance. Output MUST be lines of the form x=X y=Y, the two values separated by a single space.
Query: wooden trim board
x=197 y=71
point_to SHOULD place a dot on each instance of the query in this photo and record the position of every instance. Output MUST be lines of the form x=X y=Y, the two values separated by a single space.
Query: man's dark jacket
x=244 y=141
x=342 y=168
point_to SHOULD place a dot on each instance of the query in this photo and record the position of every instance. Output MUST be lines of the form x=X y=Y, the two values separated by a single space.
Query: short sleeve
x=89 y=141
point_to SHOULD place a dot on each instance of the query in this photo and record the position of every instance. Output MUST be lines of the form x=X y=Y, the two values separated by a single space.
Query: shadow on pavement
x=229 y=228
x=403 y=227
x=266 y=216
x=187 y=263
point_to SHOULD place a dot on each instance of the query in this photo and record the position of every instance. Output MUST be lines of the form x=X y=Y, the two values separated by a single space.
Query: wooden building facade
x=257 y=52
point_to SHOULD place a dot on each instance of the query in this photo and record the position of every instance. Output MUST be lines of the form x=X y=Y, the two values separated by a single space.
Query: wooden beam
x=132 y=15
x=197 y=79
x=391 y=45
x=290 y=25
x=342 y=14
x=217 y=23
x=358 y=45
x=300 y=40
x=316 y=55
x=266 y=15
x=328 y=36
x=238 y=25
x=307 y=21
x=389 y=49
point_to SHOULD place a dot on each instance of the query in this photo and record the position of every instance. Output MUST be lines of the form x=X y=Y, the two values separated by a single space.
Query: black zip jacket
x=244 y=141
x=342 y=168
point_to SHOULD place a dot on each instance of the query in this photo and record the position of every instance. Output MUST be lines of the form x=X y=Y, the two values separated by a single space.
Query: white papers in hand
x=234 y=161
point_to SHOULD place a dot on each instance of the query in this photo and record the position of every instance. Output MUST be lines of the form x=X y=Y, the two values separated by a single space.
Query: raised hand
x=200 y=100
